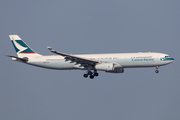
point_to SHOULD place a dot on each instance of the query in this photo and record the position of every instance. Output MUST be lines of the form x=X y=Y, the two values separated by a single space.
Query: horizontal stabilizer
x=24 y=59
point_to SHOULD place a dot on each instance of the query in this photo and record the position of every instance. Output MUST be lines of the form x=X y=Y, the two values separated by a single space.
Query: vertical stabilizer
x=21 y=48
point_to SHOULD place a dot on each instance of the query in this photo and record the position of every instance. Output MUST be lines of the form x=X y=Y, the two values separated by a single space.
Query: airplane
x=111 y=63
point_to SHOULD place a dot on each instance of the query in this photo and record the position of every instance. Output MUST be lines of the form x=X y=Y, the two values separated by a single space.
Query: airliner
x=111 y=63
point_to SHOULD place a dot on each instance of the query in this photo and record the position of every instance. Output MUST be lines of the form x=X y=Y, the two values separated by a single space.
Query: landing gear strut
x=157 y=71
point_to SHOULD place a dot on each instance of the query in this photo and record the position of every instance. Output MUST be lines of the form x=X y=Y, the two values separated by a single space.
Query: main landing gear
x=91 y=74
x=157 y=71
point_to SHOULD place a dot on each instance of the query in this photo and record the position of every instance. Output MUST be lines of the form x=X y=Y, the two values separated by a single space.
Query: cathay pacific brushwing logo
x=18 y=46
x=21 y=47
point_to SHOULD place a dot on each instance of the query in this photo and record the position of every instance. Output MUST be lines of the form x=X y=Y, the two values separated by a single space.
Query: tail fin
x=22 y=49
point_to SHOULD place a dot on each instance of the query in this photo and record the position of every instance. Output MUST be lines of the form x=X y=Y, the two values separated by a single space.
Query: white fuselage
x=126 y=60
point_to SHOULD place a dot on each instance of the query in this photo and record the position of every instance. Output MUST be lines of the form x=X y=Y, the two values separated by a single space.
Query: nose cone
x=167 y=60
x=170 y=60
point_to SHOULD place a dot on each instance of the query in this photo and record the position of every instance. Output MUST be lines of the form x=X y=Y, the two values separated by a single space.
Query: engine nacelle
x=110 y=67
x=117 y=70
x=105 y=67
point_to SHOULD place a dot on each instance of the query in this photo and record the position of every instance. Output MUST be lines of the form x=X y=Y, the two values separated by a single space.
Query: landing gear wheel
x=91 y=76
x=96 y=74
x=85 y=75
x=157 y=71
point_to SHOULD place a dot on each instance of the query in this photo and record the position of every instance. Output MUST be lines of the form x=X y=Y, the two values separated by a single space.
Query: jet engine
x=110 y=67
x=105 y=66
x=117 y=70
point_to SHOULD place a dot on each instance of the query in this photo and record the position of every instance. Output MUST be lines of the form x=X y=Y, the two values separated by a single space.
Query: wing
x=75 y=59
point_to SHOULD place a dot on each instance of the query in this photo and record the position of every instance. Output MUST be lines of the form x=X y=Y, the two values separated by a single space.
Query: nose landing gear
x=157 y=71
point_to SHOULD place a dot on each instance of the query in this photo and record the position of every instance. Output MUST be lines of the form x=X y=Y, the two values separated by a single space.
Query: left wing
x=75 y=59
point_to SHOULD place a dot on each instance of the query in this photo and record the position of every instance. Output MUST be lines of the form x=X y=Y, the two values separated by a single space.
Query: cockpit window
x=167 y=56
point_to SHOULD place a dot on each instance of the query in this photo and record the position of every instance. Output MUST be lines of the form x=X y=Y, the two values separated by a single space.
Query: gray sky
x=95 y=26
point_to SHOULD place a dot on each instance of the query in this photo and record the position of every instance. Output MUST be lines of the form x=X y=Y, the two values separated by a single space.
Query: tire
x=157 y=71
x=91 y=76
x=85 y=75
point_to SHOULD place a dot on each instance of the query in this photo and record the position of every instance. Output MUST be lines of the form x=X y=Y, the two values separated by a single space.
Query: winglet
x=56 y=52
x=49 y=48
